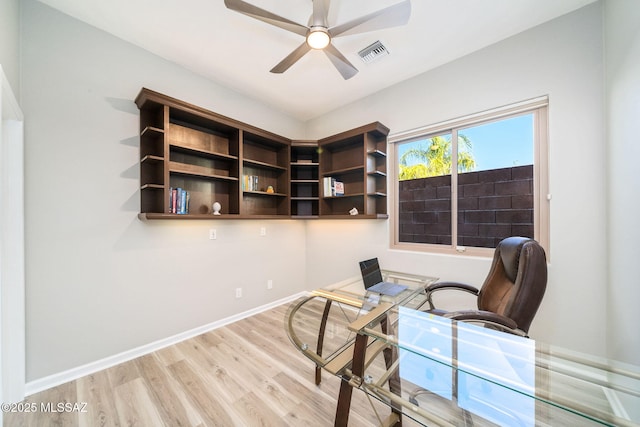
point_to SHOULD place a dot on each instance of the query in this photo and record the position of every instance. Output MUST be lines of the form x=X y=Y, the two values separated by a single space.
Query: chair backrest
x=516 y=281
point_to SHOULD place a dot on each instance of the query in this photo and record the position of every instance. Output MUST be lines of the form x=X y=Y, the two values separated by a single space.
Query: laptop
x=372 y=278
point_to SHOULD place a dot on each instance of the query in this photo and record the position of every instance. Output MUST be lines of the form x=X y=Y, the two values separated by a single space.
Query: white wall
x=562 y=59
x=12 y=291
x=10 y=42
x=100 y=281
x=12 y=274
x=622 y=54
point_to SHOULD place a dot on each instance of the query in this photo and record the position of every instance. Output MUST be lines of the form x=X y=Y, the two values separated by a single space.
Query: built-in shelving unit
x=251 y=172
x=266 y=159
x=357 y=159
x=305 y=183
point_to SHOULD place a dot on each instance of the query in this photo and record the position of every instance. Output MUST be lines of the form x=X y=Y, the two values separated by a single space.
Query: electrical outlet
x=269 y=284
x=213 y=235
x=263 y=231
x=238 y=292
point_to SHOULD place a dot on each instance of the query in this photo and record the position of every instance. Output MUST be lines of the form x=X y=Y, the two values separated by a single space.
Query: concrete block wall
x=492 y=205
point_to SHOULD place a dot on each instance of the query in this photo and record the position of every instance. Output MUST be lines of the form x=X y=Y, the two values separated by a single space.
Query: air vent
x=373 y=51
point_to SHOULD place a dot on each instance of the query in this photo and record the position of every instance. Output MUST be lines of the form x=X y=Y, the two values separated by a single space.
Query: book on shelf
x=338 y=188
x=332 y=187
x=326 y=186
x=178 y=201
x=184 y=202
x=250 y=183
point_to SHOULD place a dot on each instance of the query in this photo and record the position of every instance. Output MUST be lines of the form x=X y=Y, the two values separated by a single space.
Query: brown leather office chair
x=512 y=291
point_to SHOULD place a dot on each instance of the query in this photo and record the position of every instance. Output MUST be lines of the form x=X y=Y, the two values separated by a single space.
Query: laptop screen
x=371 y=274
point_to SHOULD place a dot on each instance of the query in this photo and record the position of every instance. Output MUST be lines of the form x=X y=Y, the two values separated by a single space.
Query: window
x=497 y=189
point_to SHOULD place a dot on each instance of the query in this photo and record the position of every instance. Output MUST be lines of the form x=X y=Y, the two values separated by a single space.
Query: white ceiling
x=238 y=51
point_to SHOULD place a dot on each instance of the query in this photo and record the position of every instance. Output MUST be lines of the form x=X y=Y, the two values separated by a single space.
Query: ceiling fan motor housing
x=318 y=37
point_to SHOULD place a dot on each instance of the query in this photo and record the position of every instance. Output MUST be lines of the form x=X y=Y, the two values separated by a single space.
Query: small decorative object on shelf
x=270 y=189
x=216 y=208
x=353 y=211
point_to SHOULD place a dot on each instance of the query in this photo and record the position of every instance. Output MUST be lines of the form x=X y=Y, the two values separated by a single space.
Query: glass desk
x=441 y=372
x=319 y=325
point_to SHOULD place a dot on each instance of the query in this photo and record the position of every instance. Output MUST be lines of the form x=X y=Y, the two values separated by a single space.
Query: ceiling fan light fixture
x=318 y=38
x=318 y=34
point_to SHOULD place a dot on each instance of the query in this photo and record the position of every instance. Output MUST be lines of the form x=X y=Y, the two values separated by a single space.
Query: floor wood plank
x=96 y=388
x=247 y=373
x=135 y=406
x=214 y=411
x=166 y=396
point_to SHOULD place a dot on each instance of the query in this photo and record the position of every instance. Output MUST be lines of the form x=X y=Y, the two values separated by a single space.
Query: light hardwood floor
x=245 y=374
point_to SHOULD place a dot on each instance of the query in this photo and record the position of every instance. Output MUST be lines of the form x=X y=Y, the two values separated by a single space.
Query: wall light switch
x=213 y=235
x=263 y=231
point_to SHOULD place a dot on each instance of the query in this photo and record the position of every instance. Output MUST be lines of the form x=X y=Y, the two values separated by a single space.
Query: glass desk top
x=318 y=325
x=437 y=371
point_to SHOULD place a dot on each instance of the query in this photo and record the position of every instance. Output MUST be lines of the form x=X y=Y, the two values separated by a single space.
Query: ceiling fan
x=318 y=34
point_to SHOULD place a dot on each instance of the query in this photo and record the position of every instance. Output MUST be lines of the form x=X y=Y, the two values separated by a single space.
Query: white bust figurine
x=216 y=208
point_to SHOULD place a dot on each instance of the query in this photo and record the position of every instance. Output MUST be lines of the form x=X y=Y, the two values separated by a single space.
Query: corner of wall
x=10 y=23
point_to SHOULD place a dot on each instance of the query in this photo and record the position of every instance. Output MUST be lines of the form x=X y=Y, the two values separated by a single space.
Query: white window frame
x=539 y=107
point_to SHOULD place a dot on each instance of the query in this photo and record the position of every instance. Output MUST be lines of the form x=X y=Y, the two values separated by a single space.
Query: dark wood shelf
x=204 y=153
x=257 y=163
x=197 y=171
x=359 y=216
x=152 y=130
x=264 y=193
x=211 y=157
x=344 y=171
x=344 y=196
x=377 y=153
x=152 y=187
x=151 y=158
x=155 y=216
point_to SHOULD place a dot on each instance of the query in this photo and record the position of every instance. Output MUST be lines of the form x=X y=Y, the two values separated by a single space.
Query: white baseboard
x=54 y=380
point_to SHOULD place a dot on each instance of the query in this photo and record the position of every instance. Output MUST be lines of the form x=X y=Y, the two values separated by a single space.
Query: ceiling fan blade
x=320 y=12
x=291 y=59
x=266 y=16
x=340 y=62
x=392 y=16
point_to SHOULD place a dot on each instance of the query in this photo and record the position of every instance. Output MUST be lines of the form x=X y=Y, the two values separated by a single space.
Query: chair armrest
x=504 y=323
x=441 y=286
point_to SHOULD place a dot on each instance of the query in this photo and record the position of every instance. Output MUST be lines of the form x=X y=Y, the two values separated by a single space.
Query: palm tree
x=435 y=158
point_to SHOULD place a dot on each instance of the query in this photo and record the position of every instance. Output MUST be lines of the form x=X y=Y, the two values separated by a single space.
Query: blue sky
x=499 y=144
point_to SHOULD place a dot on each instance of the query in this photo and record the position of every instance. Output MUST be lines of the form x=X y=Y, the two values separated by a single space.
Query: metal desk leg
x=323 y=326
x=347 y=384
